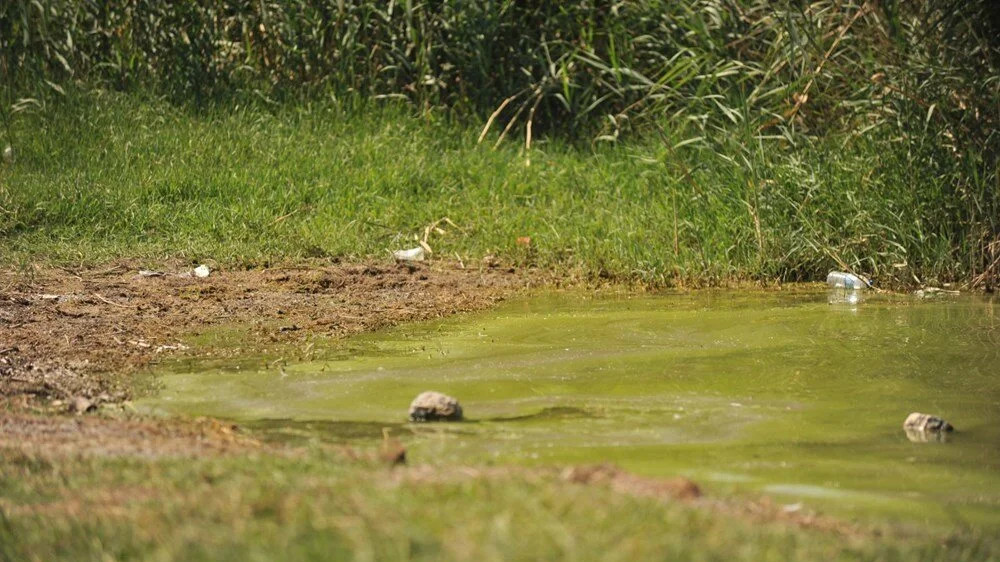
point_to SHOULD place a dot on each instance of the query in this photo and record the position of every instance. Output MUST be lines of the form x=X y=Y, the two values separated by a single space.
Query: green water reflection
x=780 y=393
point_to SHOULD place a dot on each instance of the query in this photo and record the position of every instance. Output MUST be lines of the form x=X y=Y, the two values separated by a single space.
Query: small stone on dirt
x=80 y=405
x=434 y=406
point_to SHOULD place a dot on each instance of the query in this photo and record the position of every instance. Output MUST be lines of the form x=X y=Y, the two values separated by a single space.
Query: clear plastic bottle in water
x=848 y=281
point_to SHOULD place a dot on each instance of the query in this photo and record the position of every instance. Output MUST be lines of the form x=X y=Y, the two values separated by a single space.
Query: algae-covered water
x=794 y=395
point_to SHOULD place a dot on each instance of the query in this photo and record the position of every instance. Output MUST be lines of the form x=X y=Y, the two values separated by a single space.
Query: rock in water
x=924 y=422
x=921 y=428
x=434 y=406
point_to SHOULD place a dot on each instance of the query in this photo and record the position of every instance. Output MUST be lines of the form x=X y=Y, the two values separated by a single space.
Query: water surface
x=785 y=394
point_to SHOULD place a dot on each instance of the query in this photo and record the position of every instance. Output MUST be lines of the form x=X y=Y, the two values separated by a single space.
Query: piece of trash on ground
x=413 y=254
x=201 y=271
x=424 y=250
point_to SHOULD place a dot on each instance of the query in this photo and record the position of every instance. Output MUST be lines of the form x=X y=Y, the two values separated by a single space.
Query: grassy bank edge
x=105 y=176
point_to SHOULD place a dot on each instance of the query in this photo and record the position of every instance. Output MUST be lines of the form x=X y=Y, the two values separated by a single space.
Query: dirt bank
x=67 y=334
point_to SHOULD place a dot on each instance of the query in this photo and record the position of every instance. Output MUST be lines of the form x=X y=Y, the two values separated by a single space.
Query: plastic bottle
x=849 y=281
x=413 y=254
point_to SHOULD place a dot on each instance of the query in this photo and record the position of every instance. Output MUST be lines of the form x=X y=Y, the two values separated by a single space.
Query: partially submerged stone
x=434 y=406
x=926 y=422
x=921 y=428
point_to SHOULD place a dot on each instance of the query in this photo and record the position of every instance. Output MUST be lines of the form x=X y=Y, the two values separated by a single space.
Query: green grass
x=105 y=176
x=669 y=141
x=316 y=506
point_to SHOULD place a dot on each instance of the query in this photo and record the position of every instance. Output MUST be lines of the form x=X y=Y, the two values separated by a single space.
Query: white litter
x=848 y=281
x=413 y=254
x=201 y=271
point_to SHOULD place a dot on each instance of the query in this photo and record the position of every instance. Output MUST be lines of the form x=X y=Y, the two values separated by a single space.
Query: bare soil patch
x=65 y=334
x=71 y=340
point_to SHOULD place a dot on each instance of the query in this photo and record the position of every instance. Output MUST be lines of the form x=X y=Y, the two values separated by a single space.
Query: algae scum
x=785 y=394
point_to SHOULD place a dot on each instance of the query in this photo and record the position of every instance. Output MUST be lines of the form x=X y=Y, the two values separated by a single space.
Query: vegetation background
x=661 y=141
x=692 y=141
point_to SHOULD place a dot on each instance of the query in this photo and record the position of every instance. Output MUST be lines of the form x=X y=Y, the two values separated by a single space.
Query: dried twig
x=494 y=115
x=285 y=216
x=111 y=302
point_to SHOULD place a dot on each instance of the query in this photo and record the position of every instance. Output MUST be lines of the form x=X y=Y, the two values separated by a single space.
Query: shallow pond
x=782 y=393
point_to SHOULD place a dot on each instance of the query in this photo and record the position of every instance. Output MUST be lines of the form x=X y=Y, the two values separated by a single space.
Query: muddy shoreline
x=72 y=341
x=65 y=334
